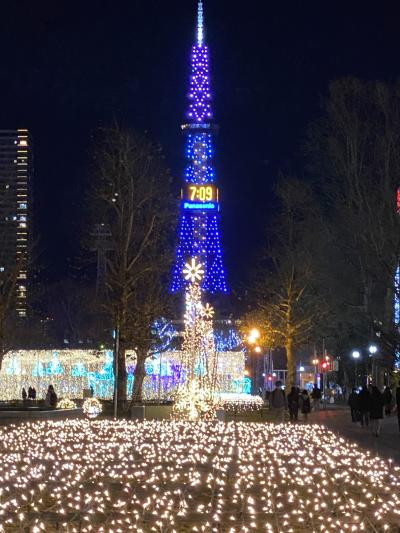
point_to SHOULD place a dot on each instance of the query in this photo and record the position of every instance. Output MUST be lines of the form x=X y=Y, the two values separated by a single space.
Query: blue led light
x=198 y=234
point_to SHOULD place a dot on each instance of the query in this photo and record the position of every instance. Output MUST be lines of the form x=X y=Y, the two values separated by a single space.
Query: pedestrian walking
x=364 y=405
x=387 y=401
x=293 y=404
x=398 y=404
x=24 y=395
x=316 y=396
x=305 y=404
x=51 y=397
x=353 y=404
x=278 y=403
x=376 y=410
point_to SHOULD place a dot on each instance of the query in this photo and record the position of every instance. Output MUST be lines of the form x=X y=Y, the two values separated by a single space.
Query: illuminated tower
x=15 y=224
x=199 y=228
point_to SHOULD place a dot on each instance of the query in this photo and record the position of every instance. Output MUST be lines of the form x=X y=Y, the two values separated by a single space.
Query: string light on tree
x=195 y=397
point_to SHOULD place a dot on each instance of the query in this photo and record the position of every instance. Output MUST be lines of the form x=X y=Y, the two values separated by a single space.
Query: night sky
x=68 y=67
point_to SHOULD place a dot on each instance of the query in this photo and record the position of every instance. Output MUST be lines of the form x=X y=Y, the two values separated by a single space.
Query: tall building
x=199 y=228
x=15 y=176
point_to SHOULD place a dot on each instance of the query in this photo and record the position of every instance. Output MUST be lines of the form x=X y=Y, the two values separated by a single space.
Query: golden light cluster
x=117 y=476
x=66 y=403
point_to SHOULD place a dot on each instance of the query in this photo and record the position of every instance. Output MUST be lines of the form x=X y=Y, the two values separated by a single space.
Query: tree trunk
x=122 y=379
x=291 y=364
x=139 y=376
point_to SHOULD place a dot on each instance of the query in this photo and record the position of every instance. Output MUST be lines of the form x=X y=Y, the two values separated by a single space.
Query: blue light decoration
x=228 y=340
x=55 y=367
x=198 y=233
x=197 y=206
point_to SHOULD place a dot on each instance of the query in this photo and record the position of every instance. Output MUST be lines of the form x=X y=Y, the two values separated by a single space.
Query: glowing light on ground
x=240 y=402
x=85 y=475
x=66 y=403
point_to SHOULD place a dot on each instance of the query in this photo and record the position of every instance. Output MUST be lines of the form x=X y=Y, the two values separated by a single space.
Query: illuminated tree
x=195 y=396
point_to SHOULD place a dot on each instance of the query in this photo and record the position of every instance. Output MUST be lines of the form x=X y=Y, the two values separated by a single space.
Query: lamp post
x=356 y=357
x=315 y=362
x=301 y=369
x=372 y=349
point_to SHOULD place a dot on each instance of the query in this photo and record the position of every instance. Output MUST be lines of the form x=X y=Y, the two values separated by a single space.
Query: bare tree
x=131 y=196
x=285 y=296
x=356 y=162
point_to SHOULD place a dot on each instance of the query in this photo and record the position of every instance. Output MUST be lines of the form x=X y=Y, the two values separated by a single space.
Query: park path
x=338 y=419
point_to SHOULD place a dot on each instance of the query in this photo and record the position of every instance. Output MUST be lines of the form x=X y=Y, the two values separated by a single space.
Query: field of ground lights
x=116 y=476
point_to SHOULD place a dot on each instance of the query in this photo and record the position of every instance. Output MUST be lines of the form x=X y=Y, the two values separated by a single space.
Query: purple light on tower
x=199 y=91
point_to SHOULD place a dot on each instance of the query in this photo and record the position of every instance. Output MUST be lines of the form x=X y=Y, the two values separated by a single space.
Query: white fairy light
x=92 y=407
x=104 y=475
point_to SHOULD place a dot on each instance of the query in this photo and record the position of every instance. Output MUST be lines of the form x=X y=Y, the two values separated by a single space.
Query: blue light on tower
x=199 y=234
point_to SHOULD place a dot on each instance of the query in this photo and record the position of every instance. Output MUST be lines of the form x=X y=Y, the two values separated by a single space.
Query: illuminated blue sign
x=200 y=205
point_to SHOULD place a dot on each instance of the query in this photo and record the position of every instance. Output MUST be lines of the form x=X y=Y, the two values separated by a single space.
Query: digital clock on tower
x=201 y=193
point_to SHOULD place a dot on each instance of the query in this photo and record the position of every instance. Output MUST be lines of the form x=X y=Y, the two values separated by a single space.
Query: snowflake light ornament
x=208 y=311
x=193 y=271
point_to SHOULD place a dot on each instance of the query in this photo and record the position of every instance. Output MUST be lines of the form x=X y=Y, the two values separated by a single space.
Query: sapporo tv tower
x=199 y=227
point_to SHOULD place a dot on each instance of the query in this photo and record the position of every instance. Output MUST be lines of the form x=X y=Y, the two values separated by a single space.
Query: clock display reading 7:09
x=202 y=193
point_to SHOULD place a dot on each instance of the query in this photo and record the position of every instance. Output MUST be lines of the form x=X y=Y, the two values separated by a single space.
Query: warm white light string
x=103 y=475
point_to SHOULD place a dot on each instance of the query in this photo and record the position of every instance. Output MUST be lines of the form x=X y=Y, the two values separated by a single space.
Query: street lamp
x=356 y=356
x=372 y=351
x=315 y=362
x=253 y=336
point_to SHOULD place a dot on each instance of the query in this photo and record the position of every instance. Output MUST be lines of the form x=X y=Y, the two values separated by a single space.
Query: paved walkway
x=338 y=419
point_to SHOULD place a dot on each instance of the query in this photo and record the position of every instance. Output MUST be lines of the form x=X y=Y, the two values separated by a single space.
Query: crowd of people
x=369 y=405
x=30 y=395
x=51 y=396
x=295 y=402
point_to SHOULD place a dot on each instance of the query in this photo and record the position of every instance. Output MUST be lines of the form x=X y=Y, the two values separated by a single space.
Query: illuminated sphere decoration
x=81 y=475
x=92 y=407
x=66 y=403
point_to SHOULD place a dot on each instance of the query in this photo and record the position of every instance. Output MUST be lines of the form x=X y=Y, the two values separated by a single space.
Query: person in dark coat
x=29 y=392
x=387 y=400
x=33 y=393
x=293 y=404
x=376 y=410
x=353 y=404
x=24 y=395
x=364 y=403
x=316 y=395
x=398 y=404
x=305 y=404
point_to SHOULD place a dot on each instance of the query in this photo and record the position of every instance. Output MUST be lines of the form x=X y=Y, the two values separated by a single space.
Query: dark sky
x=66 y=67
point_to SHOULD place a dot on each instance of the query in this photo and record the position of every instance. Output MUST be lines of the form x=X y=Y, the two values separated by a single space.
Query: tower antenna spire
x=200 y=24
